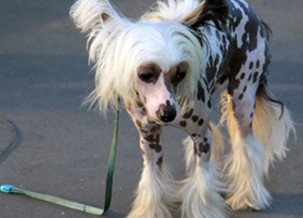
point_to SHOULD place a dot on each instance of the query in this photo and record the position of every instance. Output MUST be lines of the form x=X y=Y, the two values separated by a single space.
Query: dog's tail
x=272 y=125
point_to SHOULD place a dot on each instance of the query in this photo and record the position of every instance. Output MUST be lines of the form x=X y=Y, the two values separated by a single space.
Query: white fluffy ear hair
x=103 y=24
x=90 y=15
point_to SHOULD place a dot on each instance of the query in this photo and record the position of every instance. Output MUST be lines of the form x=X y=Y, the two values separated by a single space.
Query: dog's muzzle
x=166 y=113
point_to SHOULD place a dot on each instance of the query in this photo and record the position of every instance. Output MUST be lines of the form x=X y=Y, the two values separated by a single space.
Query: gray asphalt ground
x=62 y=148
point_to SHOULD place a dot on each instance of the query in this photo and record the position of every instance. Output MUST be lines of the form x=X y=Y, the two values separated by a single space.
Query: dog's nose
x=166 y=113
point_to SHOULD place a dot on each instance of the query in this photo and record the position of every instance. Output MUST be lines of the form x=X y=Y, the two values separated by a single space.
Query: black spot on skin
x=205 y=139
x=204 y=148
x=209 y=104
x=183 y=123
x=244 y=89
x=160 y=160
x=258 y=64
x=233 y=84
x=249 y=78
x=201 y=121
x=195 y=118
x=194 y=135
x=149 y=138
x=242 y=76
x=239 y=56
x=155 y=128
x=139 y=103
x=251 y=114
x=244 y=38
x=152 y=138
x=201 y=94
x=139 y=124
x=188 y=113
x=256 y=74
x=223 y=79
x=156 y=147
x=143 y=111
x=206 y=82
x=251 y=65
x=240 y=96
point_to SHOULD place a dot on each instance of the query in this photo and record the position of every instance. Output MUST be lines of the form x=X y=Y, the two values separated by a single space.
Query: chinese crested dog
x=165 y=67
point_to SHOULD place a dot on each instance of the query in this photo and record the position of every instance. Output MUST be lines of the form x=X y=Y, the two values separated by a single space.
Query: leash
x=14 y=135
x=10 y=189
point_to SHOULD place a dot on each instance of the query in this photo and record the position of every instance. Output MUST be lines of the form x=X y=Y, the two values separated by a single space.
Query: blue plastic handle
x=6 y=188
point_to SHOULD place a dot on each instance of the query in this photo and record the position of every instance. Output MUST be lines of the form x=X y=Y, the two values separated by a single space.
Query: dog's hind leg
x=244 y=166
x=272 y=125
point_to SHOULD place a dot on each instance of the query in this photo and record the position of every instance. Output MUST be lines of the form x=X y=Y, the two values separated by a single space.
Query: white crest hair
x=171 y=10
x=118 y=47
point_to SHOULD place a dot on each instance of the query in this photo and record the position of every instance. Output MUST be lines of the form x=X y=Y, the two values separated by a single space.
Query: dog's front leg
x=155 y=192
x=201 y=191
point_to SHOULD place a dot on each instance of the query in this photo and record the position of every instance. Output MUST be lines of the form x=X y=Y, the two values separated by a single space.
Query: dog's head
x=156 y=61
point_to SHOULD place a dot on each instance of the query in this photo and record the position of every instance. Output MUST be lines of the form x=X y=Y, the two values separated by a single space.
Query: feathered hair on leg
x=156 y=194
x=272 y=125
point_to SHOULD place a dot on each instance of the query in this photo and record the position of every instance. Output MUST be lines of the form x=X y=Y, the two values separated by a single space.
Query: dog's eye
x=146 y=77
x=179 y=76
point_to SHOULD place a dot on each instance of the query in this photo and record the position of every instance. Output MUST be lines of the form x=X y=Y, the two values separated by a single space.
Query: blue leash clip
x=6 y=188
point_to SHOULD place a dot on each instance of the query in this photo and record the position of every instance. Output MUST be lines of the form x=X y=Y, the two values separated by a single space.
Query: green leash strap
x=10 y=189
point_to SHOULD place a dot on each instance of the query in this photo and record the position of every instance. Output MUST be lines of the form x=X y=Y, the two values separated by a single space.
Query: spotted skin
x=238 y=55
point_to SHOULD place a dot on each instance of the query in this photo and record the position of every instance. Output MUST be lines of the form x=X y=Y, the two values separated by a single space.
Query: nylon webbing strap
x=75 y=205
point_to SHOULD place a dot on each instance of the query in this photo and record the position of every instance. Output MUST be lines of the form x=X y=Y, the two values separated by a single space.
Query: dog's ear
x=208 y=10
x=89 y=14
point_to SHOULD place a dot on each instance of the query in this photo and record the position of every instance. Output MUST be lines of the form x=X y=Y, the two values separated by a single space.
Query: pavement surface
x=62 y=147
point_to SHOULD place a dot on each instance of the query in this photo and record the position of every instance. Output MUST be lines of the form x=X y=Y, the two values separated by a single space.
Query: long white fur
x=171 y=10
x=118 y=47
x=248 y=163
x=201 y=194
x=271 y=130
x=245 y=173
x=156 y=194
